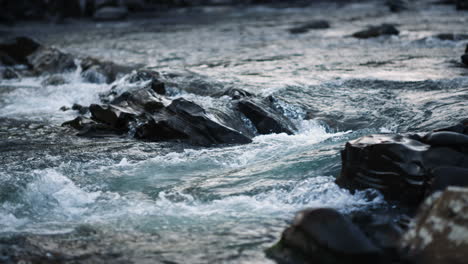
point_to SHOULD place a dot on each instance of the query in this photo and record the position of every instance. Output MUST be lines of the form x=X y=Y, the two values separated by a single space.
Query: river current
x=120 y=200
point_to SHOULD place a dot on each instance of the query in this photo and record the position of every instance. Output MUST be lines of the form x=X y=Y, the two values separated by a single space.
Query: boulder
x=54 y=80
x=8 y=74
x=376 y=31
x=153 y=79
x=439 y=233
x=324 y=235
x=400 y=166
x=464 y=57
x=306 y=27
x=49 y=60
x=110 y=13
x=16 y=50
x=451 y=36
x=96 y=71
x=265 y=119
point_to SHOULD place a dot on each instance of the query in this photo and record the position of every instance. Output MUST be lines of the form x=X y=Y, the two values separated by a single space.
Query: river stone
x=464 y=59
x=324 y=235
x=376 y=31
x=399 y=166
x=265 y=119
x=96 y=71
x=49 y=60
x=153 y=79
x=8 y=74
x=18 y=49
x=306 y=27
x=439 y=233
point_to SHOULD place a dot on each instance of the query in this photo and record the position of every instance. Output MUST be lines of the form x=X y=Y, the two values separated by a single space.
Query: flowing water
x=120 y=200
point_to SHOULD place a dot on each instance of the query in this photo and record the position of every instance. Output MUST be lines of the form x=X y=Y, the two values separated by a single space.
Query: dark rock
x=264 y=118
x=64 y=108
x=462 y=4
x=54 y=80
x=399 y=166
x=464 y=59
x=110 y=13
x=461 y=127
x=317 y=24
x=439 y=233
x=81 y=109
x=19 y=49
x=96 y=71
x=104 y=3
x=152 y=76
x=376 y=31
x=51 y=60
x=324 y=236
x=444 y=177
x=79 y=122
x=114 y=116
x=451 y=36
x=8 y=74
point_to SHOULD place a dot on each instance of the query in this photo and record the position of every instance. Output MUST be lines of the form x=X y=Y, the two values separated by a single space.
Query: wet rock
x=306 y=27
x=399 y=166
x=264 y=117
x=451 y=36
x=79 y=122
x=464 y=58
x=324 y=236
x=376 y=31
x=49 y=60
x=439 y=233
x=9 y=73
x=443 y=177
x=80 y=109
x=461 y=127
x=96 y=71
x=153 y=79
x=110 y=13
x=54 y=80
x=17 y=50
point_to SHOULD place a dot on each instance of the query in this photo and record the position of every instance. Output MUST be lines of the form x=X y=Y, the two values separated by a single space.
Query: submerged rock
x=324 y=236
x=405 y=168
x=306 y=27
x=8 y=74
x=376 y=31
x=54 y=80
x=439 y=233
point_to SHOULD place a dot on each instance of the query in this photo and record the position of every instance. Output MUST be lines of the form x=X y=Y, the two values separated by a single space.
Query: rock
x=96 y=71
x=234 y=93
x=443 y=177
x=324 y=236
x=264 y=117
x=54 y=80
x=81 y=109
x=461 y=127
x=49 y=60
x=439 y=233
x=462 y=4
x=152 y=77
x=464 y=59
x=316 y=24
x=18 y=49
x=399 y=166
x=376 y=31
x=110 y=13
x=8 y=74
x=451 y=36
x=187 y=121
